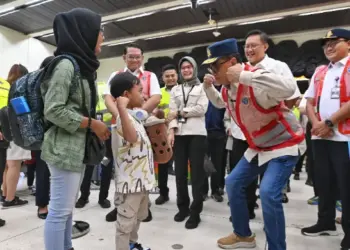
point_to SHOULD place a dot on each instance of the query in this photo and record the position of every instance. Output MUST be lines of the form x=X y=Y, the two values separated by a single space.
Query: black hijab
x=76 y=34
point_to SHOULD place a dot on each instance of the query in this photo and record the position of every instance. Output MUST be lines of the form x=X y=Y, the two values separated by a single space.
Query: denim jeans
x=277 y=173
x=58 y=225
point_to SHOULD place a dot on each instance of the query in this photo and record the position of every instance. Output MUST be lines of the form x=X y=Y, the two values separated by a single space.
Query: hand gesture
x=208 y=80
x=100 y=129
x=122 y=102
x=234 y=72
x=321 y=129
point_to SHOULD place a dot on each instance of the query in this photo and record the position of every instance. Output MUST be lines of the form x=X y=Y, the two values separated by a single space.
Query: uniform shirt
x=328 y=105
x=270 y=86
x=154 y=88
x=134 y=168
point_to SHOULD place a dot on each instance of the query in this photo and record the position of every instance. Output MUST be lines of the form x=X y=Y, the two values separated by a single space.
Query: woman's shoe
x=42 y=216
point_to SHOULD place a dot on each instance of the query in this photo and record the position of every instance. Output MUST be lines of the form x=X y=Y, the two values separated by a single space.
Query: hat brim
x=210 y=60
x=325 y=39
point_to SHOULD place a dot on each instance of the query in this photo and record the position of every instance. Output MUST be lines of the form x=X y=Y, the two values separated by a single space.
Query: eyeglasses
x=214 y=68
x=134 y=57
x=332 y=43
x=251 y=46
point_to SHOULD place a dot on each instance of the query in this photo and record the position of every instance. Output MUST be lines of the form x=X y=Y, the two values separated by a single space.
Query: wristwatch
x=329 y=123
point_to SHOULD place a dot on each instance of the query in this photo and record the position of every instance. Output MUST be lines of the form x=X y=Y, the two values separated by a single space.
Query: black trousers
x=310 y=162
x=106 y=175
x=216 y=144
x=163 y=171
x=192 y=148
x=332 y=174
x=31 y=168
x=299 y=165
x=238 y=149
x=42 y=181
x=2 y=164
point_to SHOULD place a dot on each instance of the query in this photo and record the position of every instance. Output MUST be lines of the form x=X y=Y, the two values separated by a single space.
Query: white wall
x=18 y=48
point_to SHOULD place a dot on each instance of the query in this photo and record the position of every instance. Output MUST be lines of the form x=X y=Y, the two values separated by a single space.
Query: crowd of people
x=251 y=114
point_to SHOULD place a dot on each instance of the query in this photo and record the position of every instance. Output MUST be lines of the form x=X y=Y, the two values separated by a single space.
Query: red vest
x=264 y=129
x=344 y=93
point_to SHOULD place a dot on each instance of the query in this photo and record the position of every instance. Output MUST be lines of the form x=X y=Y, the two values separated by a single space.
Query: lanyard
x=188 y=95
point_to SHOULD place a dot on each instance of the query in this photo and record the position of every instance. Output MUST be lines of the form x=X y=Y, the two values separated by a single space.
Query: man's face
x=170 y=77
x=336 y=49
x=220 y=68
x=255 y=49
x=133 y=59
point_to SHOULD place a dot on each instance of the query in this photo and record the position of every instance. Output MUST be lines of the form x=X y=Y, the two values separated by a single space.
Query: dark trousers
x=332 y=174
x=300 y=162
x=106 y=175
x=238 y=149
x=30 y=174
x=2 y=164
x=310 y=162
x=163 y=171
x=192 y=148
x=216 y=144
x=42 y=181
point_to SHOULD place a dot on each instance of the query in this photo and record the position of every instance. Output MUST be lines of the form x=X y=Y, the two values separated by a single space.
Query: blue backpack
x=27 y=130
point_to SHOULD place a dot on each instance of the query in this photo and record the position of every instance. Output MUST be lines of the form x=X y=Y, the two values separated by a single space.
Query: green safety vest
x=165 y=101
x=101 y=106
x=296 y=112
x=4 y=92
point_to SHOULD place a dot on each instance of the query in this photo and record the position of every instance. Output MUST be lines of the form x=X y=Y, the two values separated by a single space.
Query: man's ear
x=124 y=58
x=266 y=47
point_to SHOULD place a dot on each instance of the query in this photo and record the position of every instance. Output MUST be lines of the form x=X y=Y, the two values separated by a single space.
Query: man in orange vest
x=328 y=109
x=254 y=97
x=133 y=58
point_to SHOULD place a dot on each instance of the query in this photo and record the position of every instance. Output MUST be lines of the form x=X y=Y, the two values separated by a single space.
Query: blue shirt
x=214 y=118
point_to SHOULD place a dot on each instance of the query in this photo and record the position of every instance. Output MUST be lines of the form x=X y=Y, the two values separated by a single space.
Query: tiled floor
x=24 y=230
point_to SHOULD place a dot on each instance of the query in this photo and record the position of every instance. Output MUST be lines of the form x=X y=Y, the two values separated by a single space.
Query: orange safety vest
x=264 y=129
x=344 y=93
x=145 y=79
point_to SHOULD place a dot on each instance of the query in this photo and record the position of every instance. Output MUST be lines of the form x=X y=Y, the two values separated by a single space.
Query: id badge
x=99 y=116
x=335 y=93
x=181 y=120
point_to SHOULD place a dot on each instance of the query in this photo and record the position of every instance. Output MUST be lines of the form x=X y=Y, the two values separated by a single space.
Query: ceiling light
x=136 y=16
x=40 y=3
x=261 y=21
x=323 y=11
x=205 y=29
x=120 y=43
x=156 y=37
x=7 y=10
x=188 y=5
x=48 y=35
x=8 y=13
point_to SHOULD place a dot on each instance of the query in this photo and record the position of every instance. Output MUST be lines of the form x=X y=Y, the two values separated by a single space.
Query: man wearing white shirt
x=133 y=58
x=328 y=108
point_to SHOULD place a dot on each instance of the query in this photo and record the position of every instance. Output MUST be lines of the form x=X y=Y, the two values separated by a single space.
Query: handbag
x=95 y=149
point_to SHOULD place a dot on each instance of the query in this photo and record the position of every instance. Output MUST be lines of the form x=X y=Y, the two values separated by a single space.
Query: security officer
x=107 y=165
x=170 y=78
x=4 y=93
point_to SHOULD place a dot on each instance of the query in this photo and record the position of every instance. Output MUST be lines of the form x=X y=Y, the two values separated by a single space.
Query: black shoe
x=288 y=188
x=297 y=176
x=217 y=197
x=42 y=216
x=251 y=215
x=149 y=217
x=285 y=199
x=81 y=203
x=309 y=183
x=345 y=243
x=205 y=197
x=112 y=215
x=221 y=191
x=105 y=204
x=2 y=198
x=161 y=200
x=319 y=230
x=193 y=221
x=2 y=223
x=181 y=216
x=256 y=206
x=16 y=202
x=230 y=218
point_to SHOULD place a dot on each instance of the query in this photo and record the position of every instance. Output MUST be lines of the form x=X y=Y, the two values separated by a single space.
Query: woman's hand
x=171 y=138
x=100 y=129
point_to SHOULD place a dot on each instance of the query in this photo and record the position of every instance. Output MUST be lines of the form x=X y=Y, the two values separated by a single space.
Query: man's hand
x=171 y=138
x=171 y=116
x=122 y=102
x=100 y=129
x=234 y=72
x=1 y=137
x=321 y=129
x=208 y=80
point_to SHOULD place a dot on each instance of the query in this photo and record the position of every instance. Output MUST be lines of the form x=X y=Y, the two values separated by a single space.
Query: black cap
x=336 y=33
x=219 y=49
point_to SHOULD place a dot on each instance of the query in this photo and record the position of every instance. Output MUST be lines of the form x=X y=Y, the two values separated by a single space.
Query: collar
x=263 y=62
x=141 y=70
x=341 y=63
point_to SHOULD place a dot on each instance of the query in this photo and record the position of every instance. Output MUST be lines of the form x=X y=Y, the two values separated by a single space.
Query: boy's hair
x=168 y=67
x=123 y=82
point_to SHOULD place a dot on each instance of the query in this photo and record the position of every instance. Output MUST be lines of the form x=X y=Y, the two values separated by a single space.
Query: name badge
x=335 y=93
x=99 y=116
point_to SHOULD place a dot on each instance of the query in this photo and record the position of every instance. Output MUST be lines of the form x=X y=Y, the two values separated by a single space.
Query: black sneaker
x=297 y=176
x=161 y=200
x=217 y=197
x=149 y=217
x=181 y=216
x=319 y=230
x=16 y=202
x=285 y=199
x=81 y=203
x=137 y=246
x=112 y=216
x=105 y=204
x=193 y=221
x=221 y=191
x=2 y=223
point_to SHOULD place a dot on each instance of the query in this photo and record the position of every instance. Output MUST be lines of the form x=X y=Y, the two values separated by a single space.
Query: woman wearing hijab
x=78 y=33
x=188 y=135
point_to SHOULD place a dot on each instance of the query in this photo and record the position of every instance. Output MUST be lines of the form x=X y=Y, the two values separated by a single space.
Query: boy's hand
x=122 y=102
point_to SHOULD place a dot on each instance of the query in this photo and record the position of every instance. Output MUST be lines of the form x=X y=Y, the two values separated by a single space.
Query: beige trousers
x=132 y=209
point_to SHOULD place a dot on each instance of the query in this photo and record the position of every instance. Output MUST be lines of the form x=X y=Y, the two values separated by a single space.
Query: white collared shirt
x=154 y=88
x=328 y=105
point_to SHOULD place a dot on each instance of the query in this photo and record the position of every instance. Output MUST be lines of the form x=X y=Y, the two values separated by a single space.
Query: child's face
x=135 y=96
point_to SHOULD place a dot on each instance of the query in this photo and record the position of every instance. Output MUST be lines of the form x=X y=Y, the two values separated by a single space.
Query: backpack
x=27 y=130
